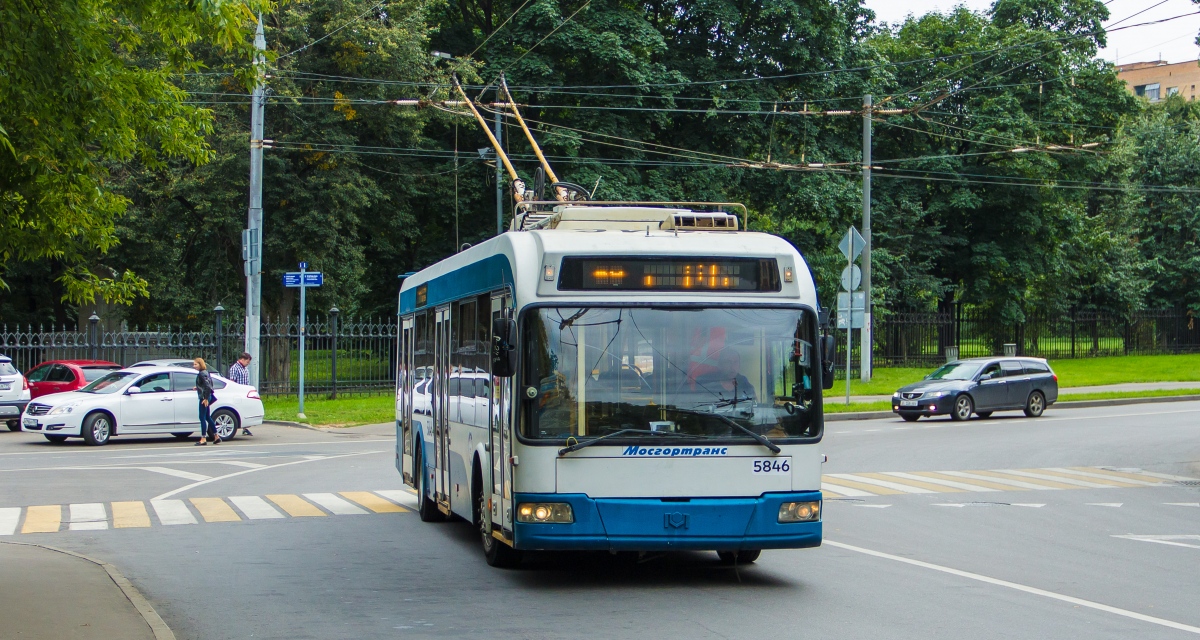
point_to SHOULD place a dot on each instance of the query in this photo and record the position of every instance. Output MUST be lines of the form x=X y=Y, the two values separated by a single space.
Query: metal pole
x=849 y=322
x=333 y=325
x=220 y=335
x=252 y=239
x=499 y=180
x=94 y=337
x=303 y=309
x=865 y=333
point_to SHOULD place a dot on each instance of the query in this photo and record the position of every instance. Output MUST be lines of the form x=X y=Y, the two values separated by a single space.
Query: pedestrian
x=239 y=374
x=204 y=391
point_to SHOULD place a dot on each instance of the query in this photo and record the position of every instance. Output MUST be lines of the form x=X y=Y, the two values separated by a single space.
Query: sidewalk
x=54 y=595
x=1128 y=386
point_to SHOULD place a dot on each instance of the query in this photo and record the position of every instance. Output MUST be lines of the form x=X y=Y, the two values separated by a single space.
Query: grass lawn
x=343 y=412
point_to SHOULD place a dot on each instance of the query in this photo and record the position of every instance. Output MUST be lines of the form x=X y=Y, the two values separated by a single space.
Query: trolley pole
x=499 y=181
x=865 y=333
x=252 y=237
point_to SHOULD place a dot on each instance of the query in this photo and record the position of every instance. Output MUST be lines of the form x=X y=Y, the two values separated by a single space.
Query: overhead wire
x=348 y=23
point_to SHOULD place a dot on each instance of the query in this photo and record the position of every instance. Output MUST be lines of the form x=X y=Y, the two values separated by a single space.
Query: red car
x=57 y=376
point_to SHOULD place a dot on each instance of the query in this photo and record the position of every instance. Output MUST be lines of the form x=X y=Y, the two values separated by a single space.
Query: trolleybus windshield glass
x=594 y=371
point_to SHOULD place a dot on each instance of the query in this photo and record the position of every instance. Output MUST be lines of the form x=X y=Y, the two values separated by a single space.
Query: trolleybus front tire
x=745 y=556
x=496 y=553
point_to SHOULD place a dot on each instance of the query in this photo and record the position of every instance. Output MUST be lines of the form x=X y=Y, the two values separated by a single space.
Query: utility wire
x=348 y=23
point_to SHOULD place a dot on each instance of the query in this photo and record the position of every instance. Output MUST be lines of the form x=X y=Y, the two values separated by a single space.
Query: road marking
x=294 y=505
x=1095 y=473
x=974 y=482
x=404 y=497
x=987 y=476
x=334 y=504
x=1169 y=540
x=844 y=492
x=1152 y=474
x=239 y=463
x=172 y=512
x=1105 y=504
x=860 y=487
x=949 y=504
x=1018 y=587
x=871 y=506
x=1070 y=475
x=88 y=516
x=245 y=449
x=373 y=502
x=1028 y=504
x=215 y=510
x=9 y=518
x=1183 y=504
x=826 y=493
x=240 y=473
x=1140 y=476
x=130 y=515
x=865 y=478
x=1027 y=478
x=186 y=475
x=925 y=478
x=255 y=507
x=42 y=519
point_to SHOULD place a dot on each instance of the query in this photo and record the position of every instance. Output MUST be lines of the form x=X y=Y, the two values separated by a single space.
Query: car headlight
x=800 y=512
x=935 y=394
x=896 y=395
x=545 y=512
x=61 y=409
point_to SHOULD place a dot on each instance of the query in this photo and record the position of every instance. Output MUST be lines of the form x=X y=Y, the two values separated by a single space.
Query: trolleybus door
x=441 y=402
x=405 y=382
x=501 y=405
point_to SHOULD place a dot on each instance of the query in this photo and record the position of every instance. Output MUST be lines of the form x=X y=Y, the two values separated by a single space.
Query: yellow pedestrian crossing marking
x=128 y=515
x=295 y=506
x=856 y=485
x=42 y=519
x=215 y=510
x=373 y=502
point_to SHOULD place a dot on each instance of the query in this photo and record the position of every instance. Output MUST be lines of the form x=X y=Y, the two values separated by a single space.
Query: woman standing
x=204 y=390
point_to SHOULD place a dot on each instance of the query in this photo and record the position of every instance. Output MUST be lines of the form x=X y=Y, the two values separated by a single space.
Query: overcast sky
x=1174 y=40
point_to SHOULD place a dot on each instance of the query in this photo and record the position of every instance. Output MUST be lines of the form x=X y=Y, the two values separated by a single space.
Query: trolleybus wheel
x=745 y=556
x=426 y=508
x=495 y=551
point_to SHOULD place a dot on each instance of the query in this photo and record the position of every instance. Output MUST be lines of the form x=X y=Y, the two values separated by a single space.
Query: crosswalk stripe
x=979 y=476
x=255 y=508
x=186 y=475
x=215 y=510
x=848 y=491
x=968 y=482
x=42 y=519
x=1064 y=473
x=294 y=505
x=844 y=480
x=405 y=498
x=937 y=482
x=172 y=512
x=916 y=484
x=1140 y=477
x=1025 y=479
x=88 y=516
x=1163 y=476
x=373 y=502
x=865 y=478
x=826 y=493
x=334 y=504
x=1036 y=473
x=130 y=515
x=9 y=518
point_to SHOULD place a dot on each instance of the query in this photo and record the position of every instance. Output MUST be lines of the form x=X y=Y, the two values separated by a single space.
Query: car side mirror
x=504 y=350
x=828 y=352
x=986 y=376
x=132 y=390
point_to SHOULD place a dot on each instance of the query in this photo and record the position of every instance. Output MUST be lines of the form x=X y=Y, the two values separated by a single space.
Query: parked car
x=58 y=376
x=980 y=386
x=164 y=362
x=142 y=400
x=14 y=394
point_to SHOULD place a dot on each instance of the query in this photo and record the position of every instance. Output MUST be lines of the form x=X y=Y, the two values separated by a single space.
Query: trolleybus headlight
x=800 y=512
x=545 y=512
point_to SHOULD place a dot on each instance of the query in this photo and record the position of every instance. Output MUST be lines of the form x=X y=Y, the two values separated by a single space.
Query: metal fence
x=342 y=356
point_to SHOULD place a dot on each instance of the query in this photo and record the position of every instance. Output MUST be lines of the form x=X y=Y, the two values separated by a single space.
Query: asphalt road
x=1101 y=543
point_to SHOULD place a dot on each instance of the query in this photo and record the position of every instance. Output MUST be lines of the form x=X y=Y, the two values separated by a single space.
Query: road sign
x=851 y=277
x=303 y=266
x=308 y=278
x=844 y=311
x=852 y=244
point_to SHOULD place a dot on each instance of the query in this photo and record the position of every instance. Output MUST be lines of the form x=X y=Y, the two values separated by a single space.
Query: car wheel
x=183 y=435
x=1035 y=405
x=745 y=556
x=963 y=408
x=984 y=414
x=97 y=429
x=14 y=425
x=426 y=508
x=56 y=439
x=226 y=424
x=910 y=417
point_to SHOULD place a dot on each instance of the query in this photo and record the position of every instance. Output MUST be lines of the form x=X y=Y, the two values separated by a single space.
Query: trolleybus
x=616 y=376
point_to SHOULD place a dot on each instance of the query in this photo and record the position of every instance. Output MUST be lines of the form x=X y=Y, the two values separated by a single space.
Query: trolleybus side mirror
x=828 y=351
x=504 y=351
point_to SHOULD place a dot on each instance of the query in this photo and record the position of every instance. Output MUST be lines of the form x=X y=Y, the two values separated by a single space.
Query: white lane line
x=334 y=504
x=1088 y=474
x=172 y=512
x=945 y=483
x=1169 y=540
x=1164 y=476
x=187 y=487
x=871 y=506
x=9 y=518
x=240 y=463
x=1005 y=481
x=88 y=516
x=1020 y=587
x=1060 y=479
x=244 y=449
x=846 y=491
x=1183 y=504
x=402 y=498
x=186 y=475
x=1105 y=504
x=1028 y=504
x=255 y=507
x=880 y=483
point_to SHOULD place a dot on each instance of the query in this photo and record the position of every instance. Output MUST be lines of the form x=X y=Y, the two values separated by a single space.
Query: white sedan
x=142 y=401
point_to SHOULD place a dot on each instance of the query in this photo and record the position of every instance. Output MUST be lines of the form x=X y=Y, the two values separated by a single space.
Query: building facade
x=1157 y=80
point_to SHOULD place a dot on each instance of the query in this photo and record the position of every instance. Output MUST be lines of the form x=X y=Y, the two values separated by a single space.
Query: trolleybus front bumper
x=654 y=524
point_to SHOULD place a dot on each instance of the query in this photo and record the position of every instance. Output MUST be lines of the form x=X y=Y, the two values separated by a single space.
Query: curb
x=1067 y=404
x=153 y=620
x=286 y=423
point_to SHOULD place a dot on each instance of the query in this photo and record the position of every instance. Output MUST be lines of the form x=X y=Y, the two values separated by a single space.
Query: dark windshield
x=955 y=371
x=110 y=383
x=594 y=371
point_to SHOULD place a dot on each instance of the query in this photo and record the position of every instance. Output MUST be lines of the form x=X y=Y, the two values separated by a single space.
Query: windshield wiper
x=665 y=434
x=757 y=436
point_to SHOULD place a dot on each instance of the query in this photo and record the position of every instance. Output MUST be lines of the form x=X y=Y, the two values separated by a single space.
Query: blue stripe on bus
x=485 y=275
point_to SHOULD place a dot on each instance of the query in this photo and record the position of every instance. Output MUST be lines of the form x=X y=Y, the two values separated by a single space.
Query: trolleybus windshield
x=594 y=371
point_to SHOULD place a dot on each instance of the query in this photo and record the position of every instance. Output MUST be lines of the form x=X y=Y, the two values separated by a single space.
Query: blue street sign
x=303 y=266
x=309 y=279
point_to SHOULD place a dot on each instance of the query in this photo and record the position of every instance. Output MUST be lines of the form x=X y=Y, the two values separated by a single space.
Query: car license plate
x=5 y=386
x=30 y=422
x=908 y=403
